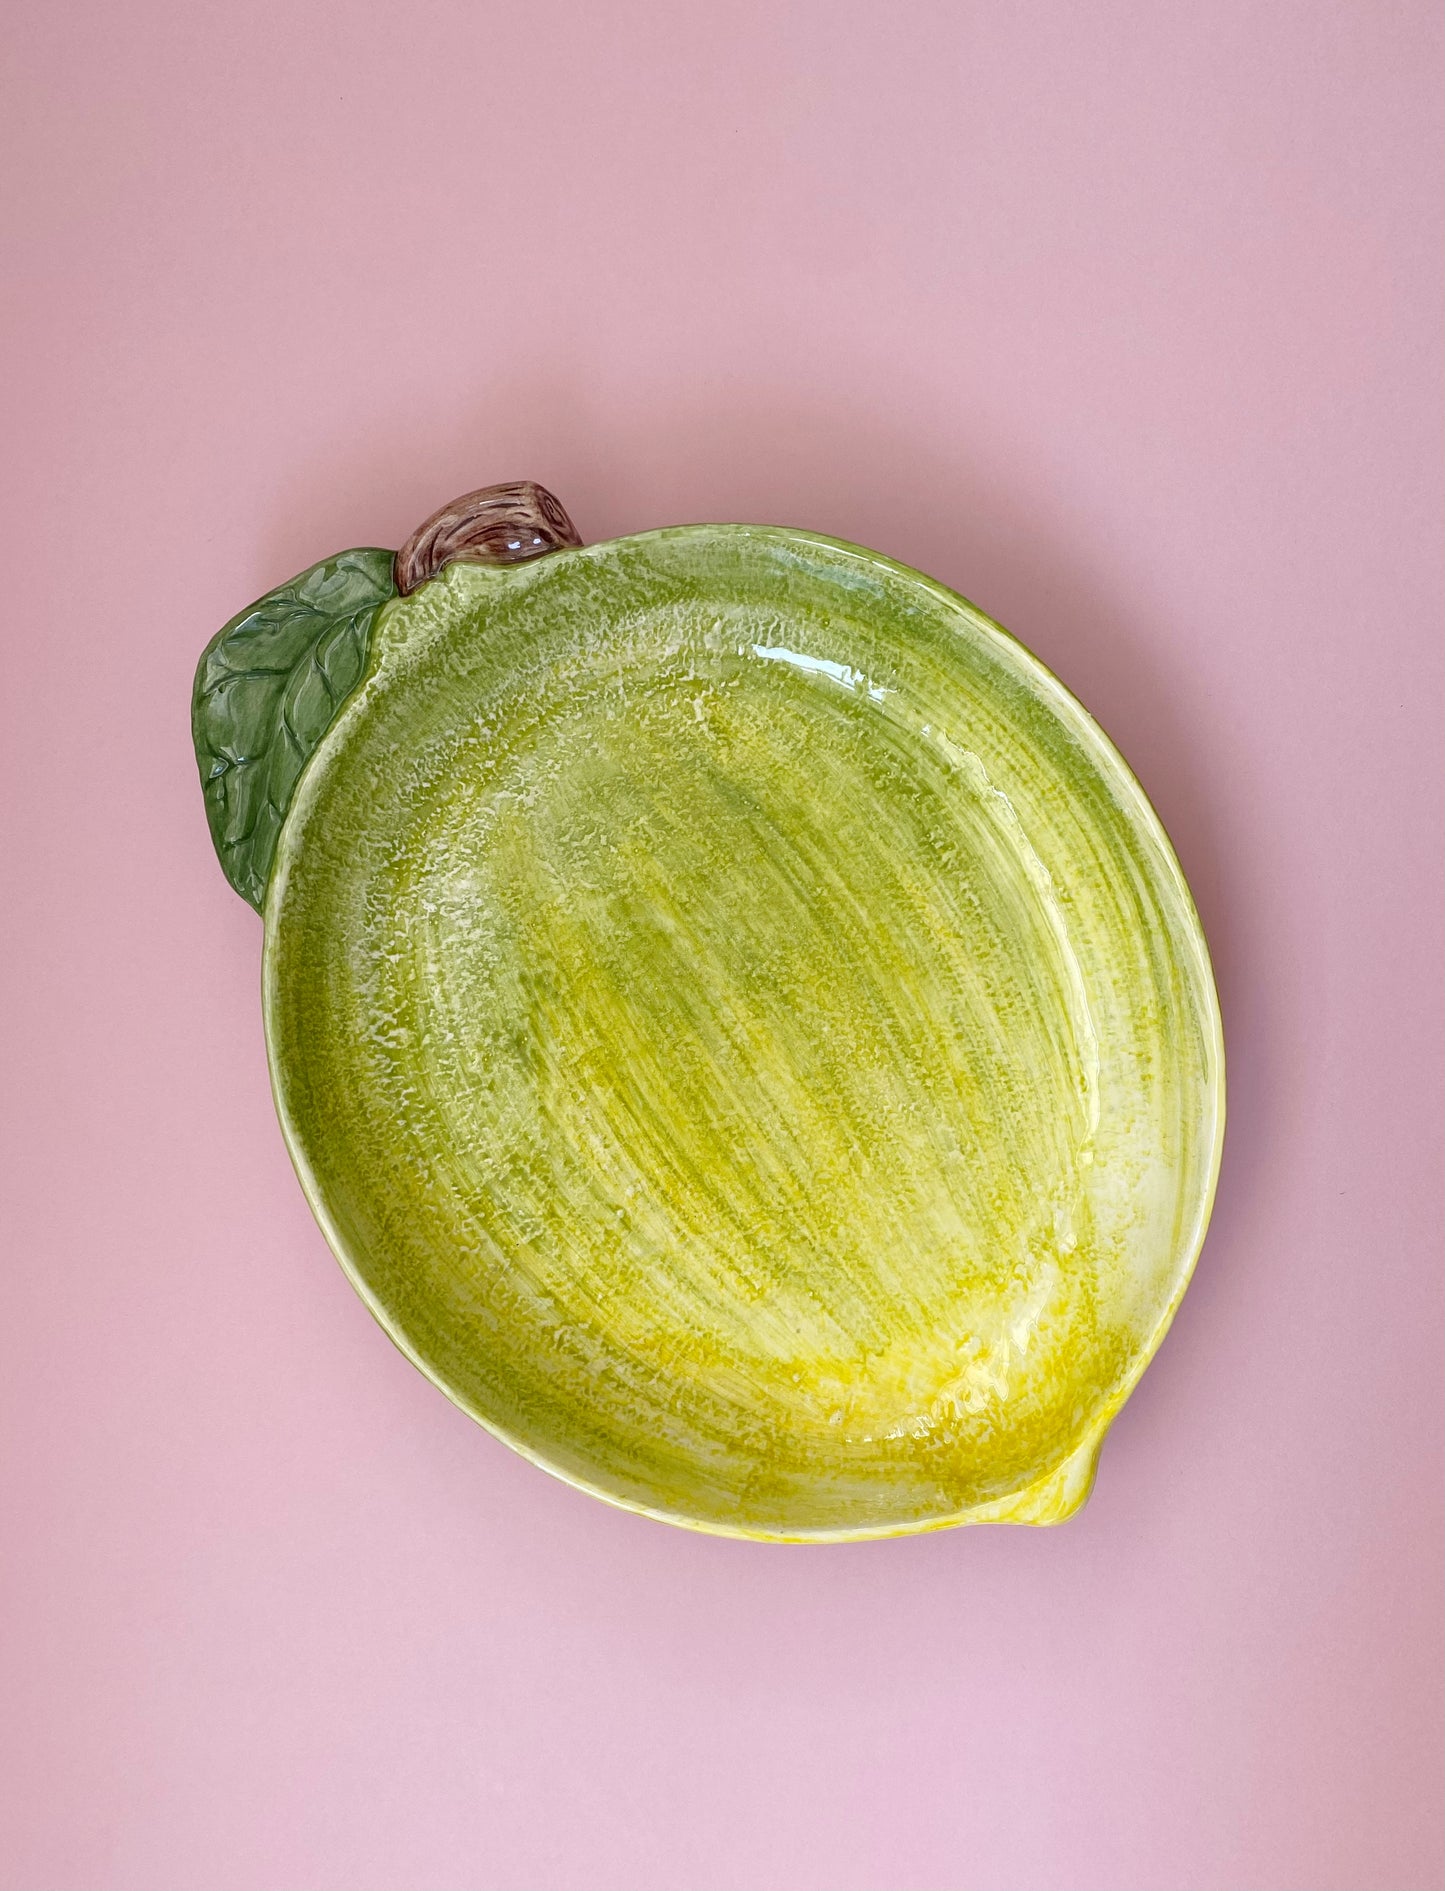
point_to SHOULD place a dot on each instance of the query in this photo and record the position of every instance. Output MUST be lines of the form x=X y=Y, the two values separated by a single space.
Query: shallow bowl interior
x=746 y=1034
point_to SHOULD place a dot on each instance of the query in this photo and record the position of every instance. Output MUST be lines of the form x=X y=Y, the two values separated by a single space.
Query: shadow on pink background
x=1122 y=319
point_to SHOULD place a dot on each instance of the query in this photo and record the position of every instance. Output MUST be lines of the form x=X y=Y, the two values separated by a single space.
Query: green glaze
x=745 y=1033
x=267 y=688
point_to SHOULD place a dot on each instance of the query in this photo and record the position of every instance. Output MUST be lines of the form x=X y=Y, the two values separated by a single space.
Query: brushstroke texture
x=746 y=1033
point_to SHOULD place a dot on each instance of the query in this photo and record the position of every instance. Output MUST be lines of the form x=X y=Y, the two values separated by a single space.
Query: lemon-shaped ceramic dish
x=737 y=1019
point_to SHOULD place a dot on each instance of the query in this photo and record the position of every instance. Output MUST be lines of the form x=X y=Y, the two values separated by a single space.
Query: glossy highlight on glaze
x=745 y=1033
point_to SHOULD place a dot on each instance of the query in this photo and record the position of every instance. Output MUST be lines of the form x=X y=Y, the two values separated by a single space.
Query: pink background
x=1124 y=319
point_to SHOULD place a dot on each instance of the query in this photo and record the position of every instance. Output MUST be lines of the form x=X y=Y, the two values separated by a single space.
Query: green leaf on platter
x=268 y=687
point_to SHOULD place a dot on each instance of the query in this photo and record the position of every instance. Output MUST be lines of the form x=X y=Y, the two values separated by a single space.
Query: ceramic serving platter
x=736 y=1018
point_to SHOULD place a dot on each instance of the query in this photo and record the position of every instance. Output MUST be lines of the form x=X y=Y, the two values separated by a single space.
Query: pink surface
x=1124 y=319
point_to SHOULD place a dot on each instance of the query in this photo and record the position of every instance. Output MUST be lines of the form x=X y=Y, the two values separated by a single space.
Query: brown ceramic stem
x=496 y=525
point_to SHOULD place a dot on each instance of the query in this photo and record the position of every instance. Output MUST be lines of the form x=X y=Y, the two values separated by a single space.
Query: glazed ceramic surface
x=741 y=1027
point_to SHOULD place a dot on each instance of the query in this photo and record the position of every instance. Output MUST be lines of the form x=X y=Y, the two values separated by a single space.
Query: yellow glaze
x=746 y=1034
